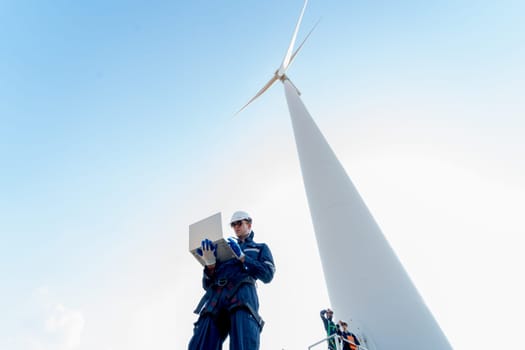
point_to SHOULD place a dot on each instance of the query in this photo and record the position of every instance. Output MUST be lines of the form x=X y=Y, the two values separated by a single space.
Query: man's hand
x=208 y=251
x=239 y=254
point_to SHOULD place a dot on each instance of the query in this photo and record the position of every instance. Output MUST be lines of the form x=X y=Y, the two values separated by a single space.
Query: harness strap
x=231 y=289
x=219 y=286
x=203 y=301
x=254 y=313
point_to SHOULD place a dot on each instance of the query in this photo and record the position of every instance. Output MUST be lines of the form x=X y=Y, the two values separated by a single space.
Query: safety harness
x=226 y=288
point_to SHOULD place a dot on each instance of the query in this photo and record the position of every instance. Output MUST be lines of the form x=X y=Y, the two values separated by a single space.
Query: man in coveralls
x=349 y=339
x=230 y=305
x=329 y=326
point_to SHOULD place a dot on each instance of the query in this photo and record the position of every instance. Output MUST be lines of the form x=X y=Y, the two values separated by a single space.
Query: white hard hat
x=240 y=215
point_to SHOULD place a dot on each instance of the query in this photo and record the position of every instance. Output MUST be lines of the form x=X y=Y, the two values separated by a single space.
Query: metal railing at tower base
x=338 y=343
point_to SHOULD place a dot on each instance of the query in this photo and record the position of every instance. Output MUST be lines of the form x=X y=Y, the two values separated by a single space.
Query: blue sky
x=117 y=132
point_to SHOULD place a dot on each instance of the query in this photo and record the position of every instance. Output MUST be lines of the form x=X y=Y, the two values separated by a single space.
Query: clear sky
x=117 y=132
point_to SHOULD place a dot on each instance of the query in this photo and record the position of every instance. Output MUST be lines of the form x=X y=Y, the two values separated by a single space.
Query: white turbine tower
x=379 y=299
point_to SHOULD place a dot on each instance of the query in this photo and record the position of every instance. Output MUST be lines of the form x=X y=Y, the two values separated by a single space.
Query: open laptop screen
x=210 y=228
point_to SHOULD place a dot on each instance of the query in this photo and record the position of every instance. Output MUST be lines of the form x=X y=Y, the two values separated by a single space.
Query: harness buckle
x=222 y=282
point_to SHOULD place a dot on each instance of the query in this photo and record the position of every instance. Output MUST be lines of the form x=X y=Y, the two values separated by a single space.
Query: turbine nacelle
x=280 y=75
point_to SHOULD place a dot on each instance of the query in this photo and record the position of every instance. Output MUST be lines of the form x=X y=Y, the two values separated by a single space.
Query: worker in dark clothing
x=330 y=327
x=230 y=305
x=350 y=341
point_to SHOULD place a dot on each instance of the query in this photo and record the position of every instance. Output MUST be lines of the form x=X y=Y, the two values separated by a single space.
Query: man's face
x=329 y=314
x=241 y=228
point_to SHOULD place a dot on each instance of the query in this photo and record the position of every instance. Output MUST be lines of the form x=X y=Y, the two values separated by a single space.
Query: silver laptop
x=210 y=228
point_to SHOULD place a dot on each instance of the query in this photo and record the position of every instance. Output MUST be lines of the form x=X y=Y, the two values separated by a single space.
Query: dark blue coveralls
x=230 y=305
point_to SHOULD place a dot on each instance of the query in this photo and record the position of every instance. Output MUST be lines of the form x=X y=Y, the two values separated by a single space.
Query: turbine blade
x=264 y=88
x=287 y=57
x=300 y=46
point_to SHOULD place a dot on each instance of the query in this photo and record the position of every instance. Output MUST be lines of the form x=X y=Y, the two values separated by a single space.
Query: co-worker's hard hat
x=240 y=215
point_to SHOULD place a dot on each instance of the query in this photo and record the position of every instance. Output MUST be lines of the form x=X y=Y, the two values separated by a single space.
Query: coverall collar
x=248 y=238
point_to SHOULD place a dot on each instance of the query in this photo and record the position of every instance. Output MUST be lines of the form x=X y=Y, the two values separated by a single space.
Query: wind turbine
x=379 y=299
x=287 y=61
